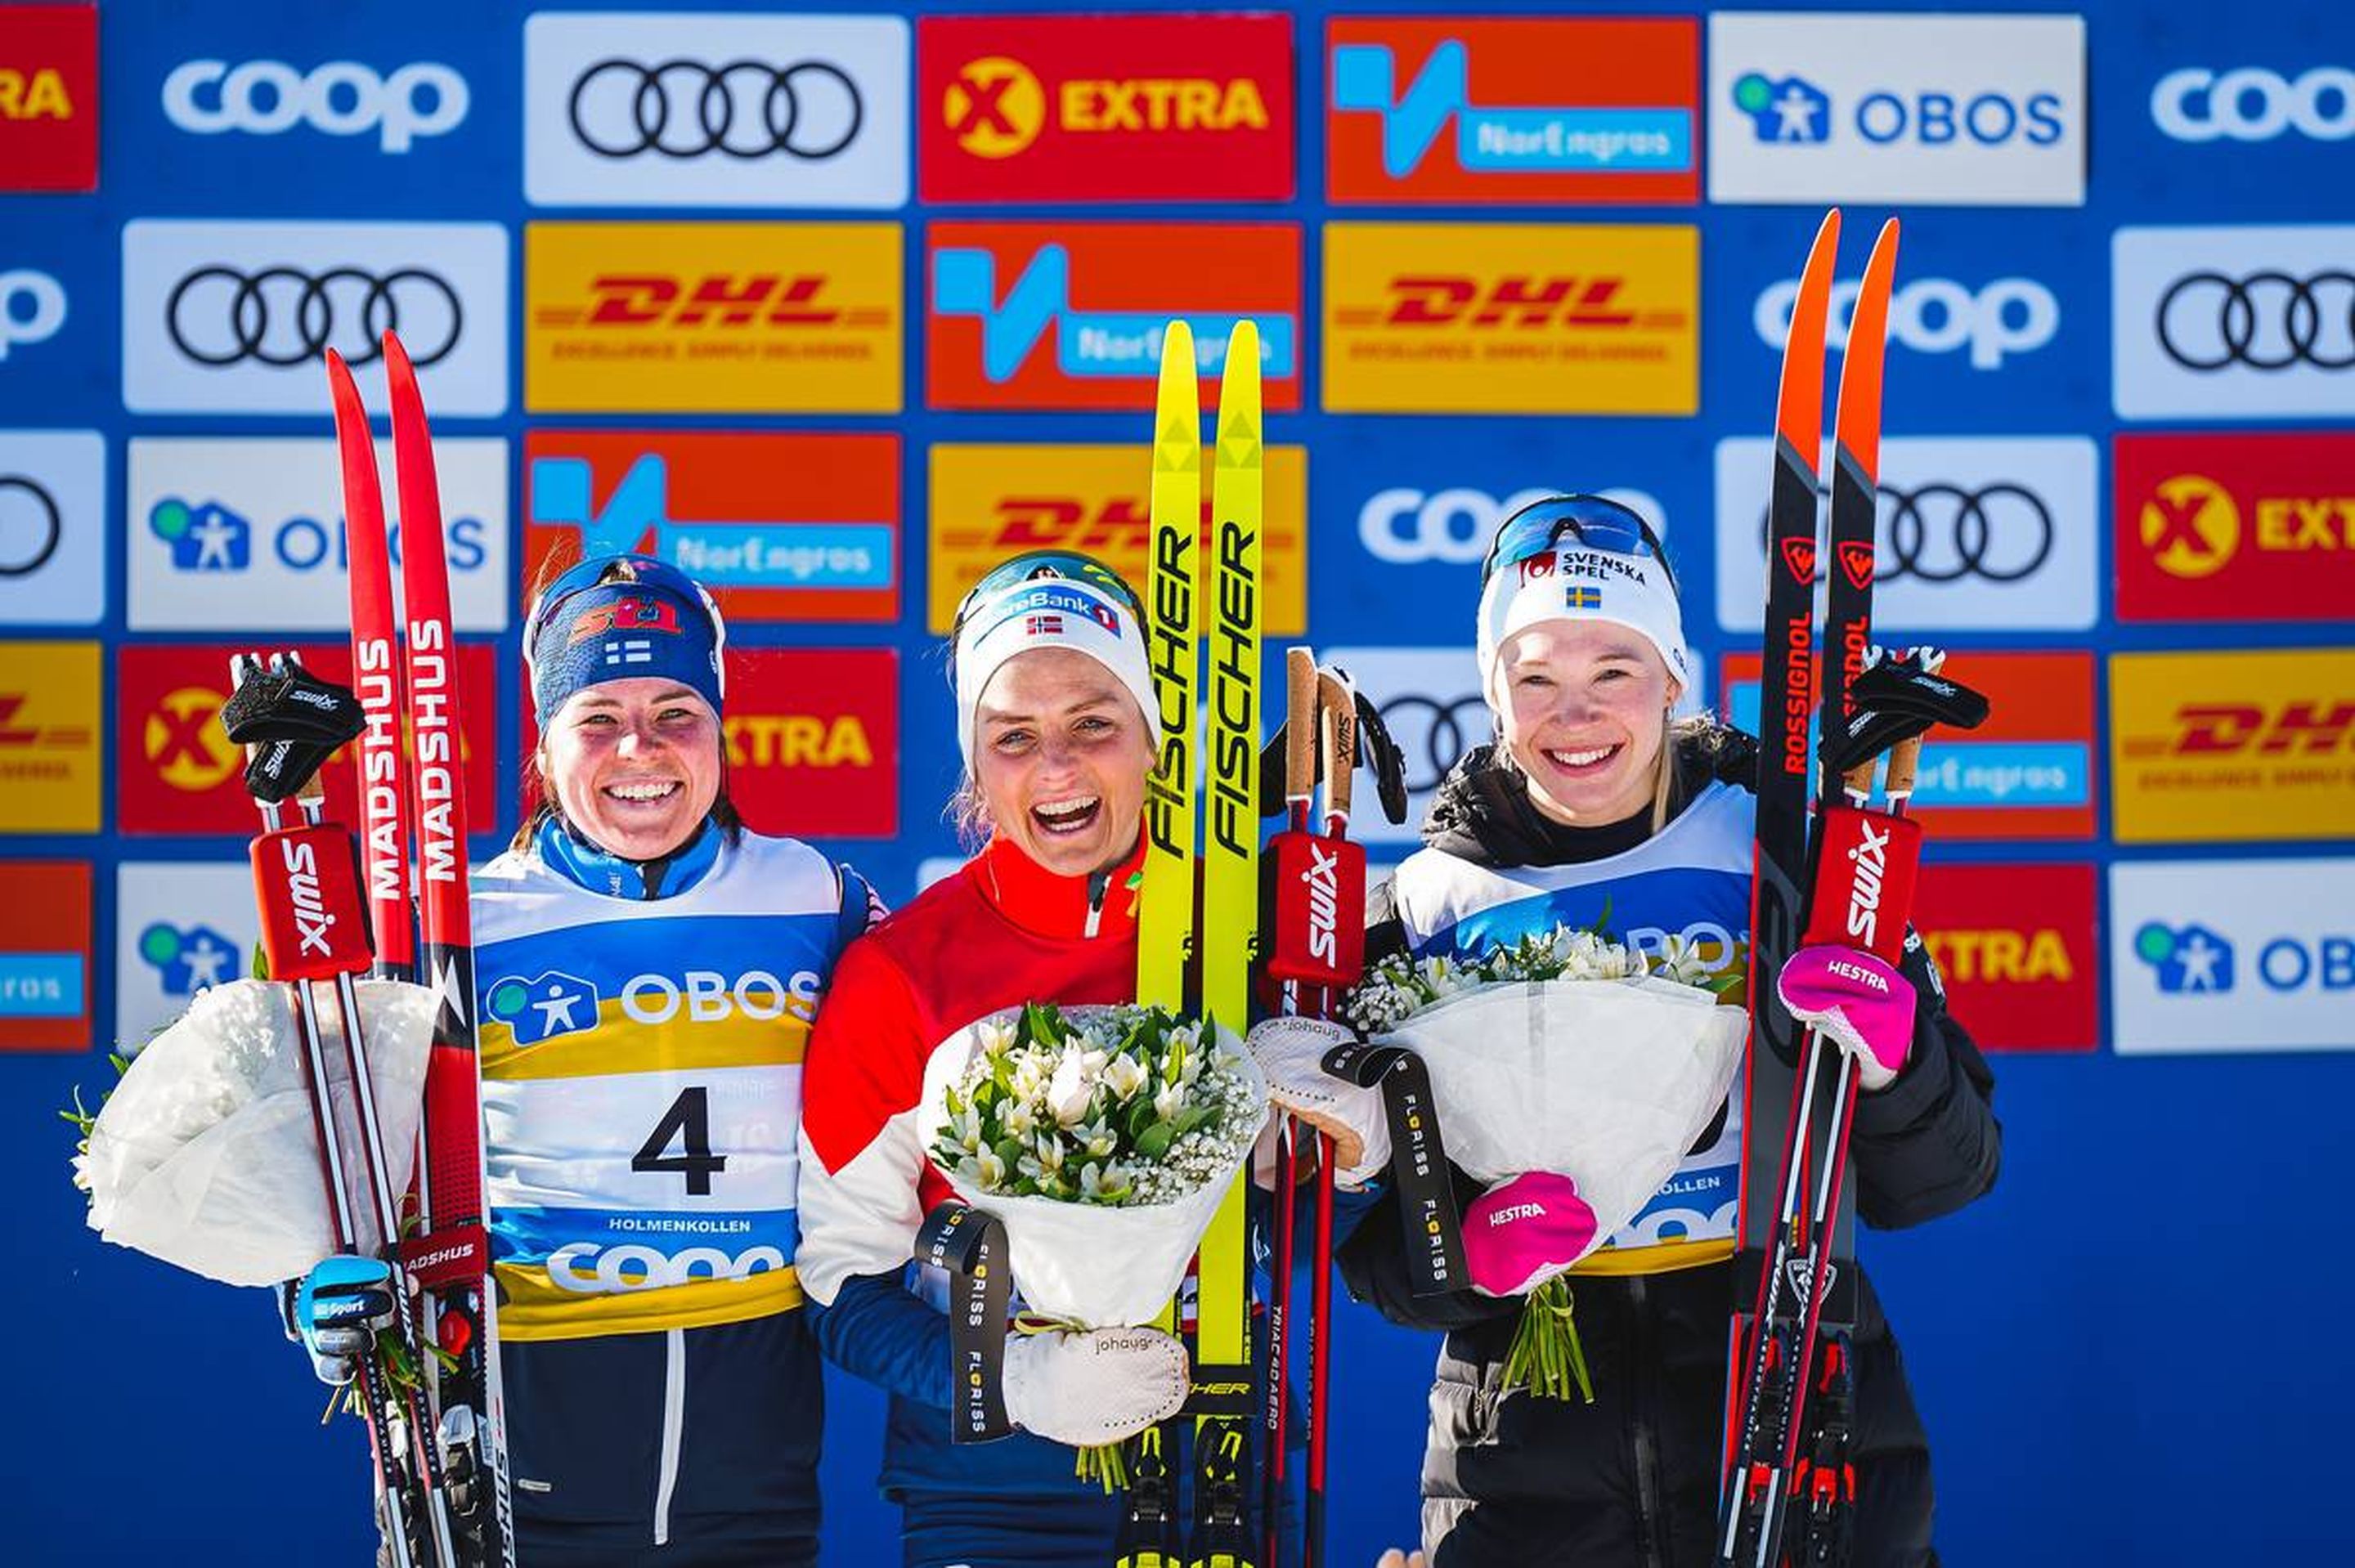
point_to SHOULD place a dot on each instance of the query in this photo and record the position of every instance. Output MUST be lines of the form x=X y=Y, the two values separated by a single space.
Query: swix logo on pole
x=824 y=548
x=1552 y=110
x=1070 y=315
x=1126 y=109
x=1864 y=882
x=308 y=891
x=991 y=501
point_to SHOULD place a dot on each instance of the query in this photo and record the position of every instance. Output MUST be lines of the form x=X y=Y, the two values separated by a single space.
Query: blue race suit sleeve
x=878 y=1332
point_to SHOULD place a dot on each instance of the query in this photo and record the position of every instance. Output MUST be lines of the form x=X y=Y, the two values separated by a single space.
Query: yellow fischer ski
x=1150 y=1537
x=1230 y=942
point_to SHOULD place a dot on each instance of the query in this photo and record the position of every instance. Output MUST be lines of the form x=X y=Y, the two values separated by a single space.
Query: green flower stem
x=1546 y=1357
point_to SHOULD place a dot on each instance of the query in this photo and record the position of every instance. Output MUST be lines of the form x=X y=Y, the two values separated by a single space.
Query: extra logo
x=1070 y=316
x=1931 y=316
x=648 y=110
x=712 y=316
x=989 y=502
x=2231 y=955
x=1965 y=109
x=341 y=97
x=1997 y=533
x=231 y=317
x=32 y=308
x=2224 y=746
x=2233 y=322
x=813 y=739
x=228 y=534
x=824 y=549
x=1410 y=329
x=52 y=527
x=49 y=100
x=2235 y=527
x=1553 y=110
x=2251 y=103
x=1128 y=108
x=2014 y=946
x=48 y=747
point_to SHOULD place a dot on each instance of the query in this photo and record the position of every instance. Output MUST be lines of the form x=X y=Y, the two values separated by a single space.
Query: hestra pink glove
x=1856 y=1000
x=1533 y=1225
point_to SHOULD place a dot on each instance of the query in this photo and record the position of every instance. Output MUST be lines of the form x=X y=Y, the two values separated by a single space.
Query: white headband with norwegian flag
x=1051 y=612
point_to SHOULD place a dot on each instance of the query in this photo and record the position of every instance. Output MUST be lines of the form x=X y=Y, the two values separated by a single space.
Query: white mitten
x=1291 y=1052
x=1092 y=1386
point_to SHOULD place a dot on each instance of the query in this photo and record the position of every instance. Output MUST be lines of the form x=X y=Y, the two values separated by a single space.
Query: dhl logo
x=30 y=752
x=1519 y=300
x=2299 y=728
x=798 y=740
x=2003 y=955
x=720 y=298
x=2192 y=525
x=1115 y=527
x=40 y=95
x=996 y=107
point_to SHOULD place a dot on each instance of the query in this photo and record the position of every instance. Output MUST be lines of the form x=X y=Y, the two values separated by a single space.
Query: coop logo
x=586 y=1268
x=543 y=1006
x=1495 y=139
x=2234 y=321
x=1887 y=108
x=773 y=317
x=341 y=97
x=2002 y=318
x=644 y=109
x=188 y=958
x=32 y=308
x=1455 y=526
x=230 y=317
x=2251 y=103
x=1088 y=343
x=48 y=97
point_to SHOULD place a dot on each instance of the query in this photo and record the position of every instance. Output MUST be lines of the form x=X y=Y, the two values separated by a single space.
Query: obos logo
x=549 y=1005
x=1931 y=316
x=341 y=97
x=826 y=549
x=1129 y=108
x=188 y=958
x=1899 y=108
x=2235 y=527
x=2254 y=104
x=1097 y=297
x=2231 y=955
x=713 y=316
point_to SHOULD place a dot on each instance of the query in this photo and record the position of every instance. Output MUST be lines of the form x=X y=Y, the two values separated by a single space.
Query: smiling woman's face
x=1061 y=756
x=635 y=764
x=1586 y=711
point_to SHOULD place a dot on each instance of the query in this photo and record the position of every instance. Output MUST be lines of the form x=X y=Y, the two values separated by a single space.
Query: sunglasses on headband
x=1592 y=521
x=1031 y=565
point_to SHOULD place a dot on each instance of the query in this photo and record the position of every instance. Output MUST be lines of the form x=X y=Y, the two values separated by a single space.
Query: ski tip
x=397 y=367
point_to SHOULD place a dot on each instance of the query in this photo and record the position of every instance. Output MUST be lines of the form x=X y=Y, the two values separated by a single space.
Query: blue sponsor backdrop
x=2132 y=1352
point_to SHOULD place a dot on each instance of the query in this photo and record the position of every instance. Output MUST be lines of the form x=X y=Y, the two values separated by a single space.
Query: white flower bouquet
x=1103 y=1138
x=1568 y=1052
x=206 y=1156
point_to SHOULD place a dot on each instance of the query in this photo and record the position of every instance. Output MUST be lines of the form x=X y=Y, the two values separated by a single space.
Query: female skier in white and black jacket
x=1594 y=802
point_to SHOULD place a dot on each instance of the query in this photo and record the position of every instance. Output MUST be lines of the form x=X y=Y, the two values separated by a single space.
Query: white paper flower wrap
x=1100 y=1266
x=1607 y=1081
x=205 y=1155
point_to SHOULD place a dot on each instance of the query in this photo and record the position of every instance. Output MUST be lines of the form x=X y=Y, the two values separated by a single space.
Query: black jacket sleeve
x=1930 y=1142
x=1373 y=1266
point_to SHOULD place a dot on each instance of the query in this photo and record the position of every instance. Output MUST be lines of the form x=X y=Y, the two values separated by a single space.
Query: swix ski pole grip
x=1864 y=879
x=1903 y=762
x=376 y=676
x=1299 y=728
x=306 y=881
x=969 y=1247
x=1337 y=704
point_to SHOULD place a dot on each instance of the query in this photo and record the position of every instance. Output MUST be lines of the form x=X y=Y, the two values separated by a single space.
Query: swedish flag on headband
x=1579 y=596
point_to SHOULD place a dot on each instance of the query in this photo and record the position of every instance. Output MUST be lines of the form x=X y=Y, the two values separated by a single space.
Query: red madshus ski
x=376 y=677
x=452 y=1255
x=1793 y=1283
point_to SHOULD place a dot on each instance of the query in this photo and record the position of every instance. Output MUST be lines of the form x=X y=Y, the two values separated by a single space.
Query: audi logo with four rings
x=1431 y=735
x=284 y=315
x=1942 y=533
x=745 y=109
x=2266 y=321
x=25 y=550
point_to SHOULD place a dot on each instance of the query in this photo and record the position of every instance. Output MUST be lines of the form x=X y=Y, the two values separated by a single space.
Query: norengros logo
x=1949 y=109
